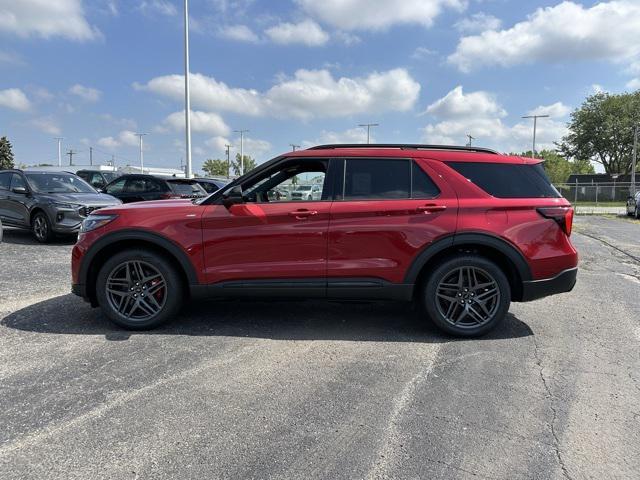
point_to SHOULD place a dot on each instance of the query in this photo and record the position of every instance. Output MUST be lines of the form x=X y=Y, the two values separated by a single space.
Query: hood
x=87 y=199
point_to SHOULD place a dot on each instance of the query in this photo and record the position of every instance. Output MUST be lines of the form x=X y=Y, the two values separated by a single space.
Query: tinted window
x=116 y=187
x=143 y=185
x=17 y=181
x=187 y=188
x=376 y=179
x=5 y=179
x=109 y=176
x=505 y=180
x=421 y=185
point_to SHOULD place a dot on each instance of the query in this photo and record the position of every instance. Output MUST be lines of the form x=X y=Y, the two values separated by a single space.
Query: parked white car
x=633 y=206
x=307 y=192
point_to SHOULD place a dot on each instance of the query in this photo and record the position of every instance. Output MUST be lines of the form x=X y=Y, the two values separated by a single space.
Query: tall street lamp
x=368 y=125
x=187 y=95
x=535 y=125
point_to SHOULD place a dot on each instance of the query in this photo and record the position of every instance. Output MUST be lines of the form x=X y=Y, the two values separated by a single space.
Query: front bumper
x=561 y=283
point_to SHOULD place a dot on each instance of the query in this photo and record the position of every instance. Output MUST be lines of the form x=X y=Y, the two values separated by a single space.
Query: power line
x=71 y=153
x=470 y=138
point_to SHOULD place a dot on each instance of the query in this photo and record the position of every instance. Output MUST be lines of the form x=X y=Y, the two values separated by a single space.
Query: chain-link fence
x=606 y=197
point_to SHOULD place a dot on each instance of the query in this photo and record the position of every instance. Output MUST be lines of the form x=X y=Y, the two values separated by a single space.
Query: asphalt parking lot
x=322 y=390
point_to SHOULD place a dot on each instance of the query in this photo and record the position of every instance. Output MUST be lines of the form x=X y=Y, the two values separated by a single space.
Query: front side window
x=291 y=181
x=17 y=181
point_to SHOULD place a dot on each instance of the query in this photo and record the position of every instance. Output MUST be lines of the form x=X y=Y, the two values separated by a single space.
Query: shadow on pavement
x=276 y=320
x=25 y=237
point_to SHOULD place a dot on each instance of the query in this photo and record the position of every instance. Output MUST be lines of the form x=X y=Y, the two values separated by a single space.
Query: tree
x=215 y=167
x=558 y=168
x=249 y=164
x=6 y=155
x=602 y=130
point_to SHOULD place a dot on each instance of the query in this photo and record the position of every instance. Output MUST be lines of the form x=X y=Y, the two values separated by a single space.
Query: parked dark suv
x=461 y=231
x=97 y=178
x=140 y=188
x=48 y=202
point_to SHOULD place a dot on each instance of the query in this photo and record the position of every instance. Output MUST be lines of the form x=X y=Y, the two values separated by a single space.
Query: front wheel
x=467 y=296
x=139 y=289
x=41 y=228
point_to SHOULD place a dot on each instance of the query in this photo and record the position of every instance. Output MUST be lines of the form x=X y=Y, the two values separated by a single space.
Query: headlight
x=68 y=206
x=95 y=221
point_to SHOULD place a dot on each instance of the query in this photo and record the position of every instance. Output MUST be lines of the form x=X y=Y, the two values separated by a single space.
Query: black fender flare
x=469 y=238
x=158 y=240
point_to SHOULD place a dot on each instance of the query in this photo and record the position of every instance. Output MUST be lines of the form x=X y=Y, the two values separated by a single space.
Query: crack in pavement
x=552 y=424
x=601 y=240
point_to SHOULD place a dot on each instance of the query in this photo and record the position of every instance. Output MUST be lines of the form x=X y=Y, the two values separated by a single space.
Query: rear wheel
x=139 y=289
x=467 y=296
x=636 y=213
x=41 y=228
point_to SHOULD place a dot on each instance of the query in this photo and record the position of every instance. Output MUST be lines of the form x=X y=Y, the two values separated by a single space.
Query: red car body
x=371 y=248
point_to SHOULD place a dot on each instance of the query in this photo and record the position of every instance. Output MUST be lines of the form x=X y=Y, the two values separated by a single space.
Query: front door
x=270 y=240
x=387 y=212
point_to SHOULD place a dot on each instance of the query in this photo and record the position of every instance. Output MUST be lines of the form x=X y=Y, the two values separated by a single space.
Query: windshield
x=187 y=188
x=58 y=183
x=304 y=187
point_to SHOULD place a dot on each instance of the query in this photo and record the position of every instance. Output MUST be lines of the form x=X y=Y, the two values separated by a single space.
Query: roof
x=448 y=153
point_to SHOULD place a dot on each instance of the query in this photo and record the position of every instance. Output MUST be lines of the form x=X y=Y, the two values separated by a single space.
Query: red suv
x=462 y=231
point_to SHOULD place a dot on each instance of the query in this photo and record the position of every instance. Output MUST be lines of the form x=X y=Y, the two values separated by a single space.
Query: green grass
x=599 y=204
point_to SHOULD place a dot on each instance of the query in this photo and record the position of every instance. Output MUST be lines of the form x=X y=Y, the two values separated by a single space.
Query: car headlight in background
x=95 y=221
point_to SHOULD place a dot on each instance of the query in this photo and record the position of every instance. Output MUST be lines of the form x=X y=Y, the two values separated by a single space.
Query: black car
x=211 y=184
x=97 y=178
x=140 y=188
x=48 y=202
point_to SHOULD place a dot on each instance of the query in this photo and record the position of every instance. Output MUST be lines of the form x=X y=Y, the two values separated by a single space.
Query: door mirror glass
x=20 y=190
x=233 y=197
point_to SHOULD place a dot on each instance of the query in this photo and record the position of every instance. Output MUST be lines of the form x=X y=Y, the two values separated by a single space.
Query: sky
x=302 y=72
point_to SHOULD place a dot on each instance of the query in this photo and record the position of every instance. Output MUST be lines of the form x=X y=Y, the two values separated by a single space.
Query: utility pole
x=141 y=156
x=293 y=146
x=368 y=125
x=535 y=125
x=470 y=138
x=59 y=139
x=635 y=160
x=113 y=161
x=90 y=155
x=71 y=153
x=241 y=132
x=228 y=161
x=187 y=95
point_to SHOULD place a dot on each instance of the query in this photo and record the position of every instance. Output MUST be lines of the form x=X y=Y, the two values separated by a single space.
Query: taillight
x=562 y=215
x=167 y=196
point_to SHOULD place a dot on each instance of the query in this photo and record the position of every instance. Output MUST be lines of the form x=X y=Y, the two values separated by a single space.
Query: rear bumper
x=561 y=283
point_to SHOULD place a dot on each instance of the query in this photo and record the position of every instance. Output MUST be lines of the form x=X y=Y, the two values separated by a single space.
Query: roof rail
x=405 y=146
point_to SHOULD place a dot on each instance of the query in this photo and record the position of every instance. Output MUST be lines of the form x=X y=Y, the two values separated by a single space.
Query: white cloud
x=309 y=94
x=15 y=99
x=241 y=33
x=597 y=88
x=47 y=125
x=254 y=146
x=458 y=105
x=162 y=7
x=555 y=110
x=10 y=58
x=478 y=22
x=352 y=135
x=565 y=32
x=124 y=138
x=480 y=115
x=59 y=18
x=126 y=123
x=421 y=53
x=86 y=93
x=377 y=14
x=306 y=32
x=217 y=143
x=633 y=84
x=205 y=122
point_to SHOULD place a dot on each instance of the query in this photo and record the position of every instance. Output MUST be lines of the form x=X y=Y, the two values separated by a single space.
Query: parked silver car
x=633 y=205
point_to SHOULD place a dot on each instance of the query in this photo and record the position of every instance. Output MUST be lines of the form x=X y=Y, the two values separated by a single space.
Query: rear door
x=386 y=211
x=17 y=208
x=5 y=183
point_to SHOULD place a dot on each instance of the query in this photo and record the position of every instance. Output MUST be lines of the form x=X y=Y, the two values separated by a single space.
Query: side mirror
x=233 y=197
x=20 y=190
x=100 y=190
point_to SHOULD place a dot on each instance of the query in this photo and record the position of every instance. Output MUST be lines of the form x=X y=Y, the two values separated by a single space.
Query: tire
x=636 y=214
x=446 y=283
x=122 y=273
x=41 y=228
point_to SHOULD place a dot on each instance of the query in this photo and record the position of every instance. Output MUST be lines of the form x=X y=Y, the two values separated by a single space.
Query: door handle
x=302 y=214
x=431 y=208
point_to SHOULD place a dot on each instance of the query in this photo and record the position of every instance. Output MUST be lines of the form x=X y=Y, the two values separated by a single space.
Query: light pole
x=228 y=161
x=59 y=139
x=141 y=156
x=470 y=138
x=368 y=125
x=635 y=159
x=187 y=95
x=294 y=146
x=241 y=132
x=535 y=125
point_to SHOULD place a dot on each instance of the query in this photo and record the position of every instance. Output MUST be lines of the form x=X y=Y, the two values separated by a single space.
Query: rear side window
x=5 y=179
x=421 y=185
x=507 y=180
x=377 y=179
